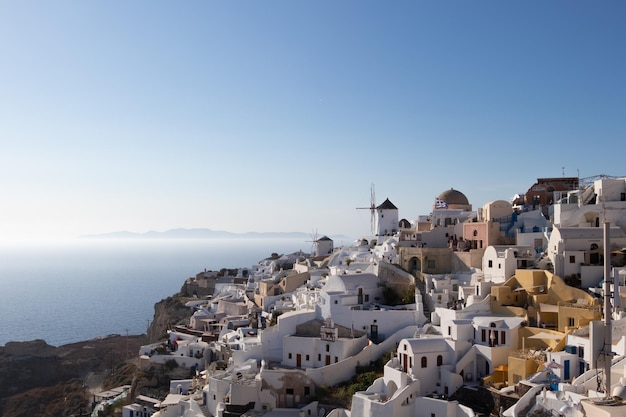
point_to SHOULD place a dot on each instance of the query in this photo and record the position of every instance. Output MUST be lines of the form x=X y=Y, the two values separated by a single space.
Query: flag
x=440 y=203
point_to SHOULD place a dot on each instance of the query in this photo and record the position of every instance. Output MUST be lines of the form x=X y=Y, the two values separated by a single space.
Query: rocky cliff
x=39 y=379
x=168 y=313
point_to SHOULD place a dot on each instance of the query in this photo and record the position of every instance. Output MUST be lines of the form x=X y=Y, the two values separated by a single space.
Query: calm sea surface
x=70 y=291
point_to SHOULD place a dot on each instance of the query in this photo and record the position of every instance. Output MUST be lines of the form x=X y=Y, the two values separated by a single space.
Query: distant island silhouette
x=199 y=233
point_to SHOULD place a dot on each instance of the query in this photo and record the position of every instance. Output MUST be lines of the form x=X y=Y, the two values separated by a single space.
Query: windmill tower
x=386 y=220
x=313 y=241
x=372 y=209
x=320 y=246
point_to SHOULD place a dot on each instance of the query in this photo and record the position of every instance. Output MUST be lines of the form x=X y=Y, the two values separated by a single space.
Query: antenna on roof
x=371 y=208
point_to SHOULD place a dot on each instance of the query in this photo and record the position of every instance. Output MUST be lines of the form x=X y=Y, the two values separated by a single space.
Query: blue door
x=566 y=370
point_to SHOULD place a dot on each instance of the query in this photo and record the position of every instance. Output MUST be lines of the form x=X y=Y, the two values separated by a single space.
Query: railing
x=575 y=304
x=536 y=355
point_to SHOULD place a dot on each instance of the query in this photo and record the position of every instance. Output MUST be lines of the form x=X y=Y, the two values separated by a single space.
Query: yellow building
x=552 y=308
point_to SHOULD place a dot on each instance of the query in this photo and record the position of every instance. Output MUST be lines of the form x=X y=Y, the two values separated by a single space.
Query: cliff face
x=37 y=379
x=167 y=313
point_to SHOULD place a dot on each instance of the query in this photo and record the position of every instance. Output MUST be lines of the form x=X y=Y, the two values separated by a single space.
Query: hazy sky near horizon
x=278 y=115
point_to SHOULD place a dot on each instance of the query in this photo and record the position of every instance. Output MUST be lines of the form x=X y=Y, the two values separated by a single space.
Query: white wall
x=182 y=361
x=386 y=221
x=315 y=349
x=344 y=370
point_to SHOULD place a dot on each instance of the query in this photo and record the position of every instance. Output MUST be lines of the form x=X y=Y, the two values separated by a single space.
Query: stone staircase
x=205 y=411
x=421 y=286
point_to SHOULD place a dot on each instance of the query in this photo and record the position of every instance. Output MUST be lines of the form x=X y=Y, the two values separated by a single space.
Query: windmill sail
x=372 y=209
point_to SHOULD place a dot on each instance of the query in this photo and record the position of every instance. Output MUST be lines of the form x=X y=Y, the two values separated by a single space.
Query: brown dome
x=455 y=200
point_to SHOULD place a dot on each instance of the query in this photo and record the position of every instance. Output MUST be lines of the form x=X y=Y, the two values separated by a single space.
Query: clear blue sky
x=278 y=115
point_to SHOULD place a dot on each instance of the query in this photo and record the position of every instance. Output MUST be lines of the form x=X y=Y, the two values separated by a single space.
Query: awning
x=545 y=336
x=548 y=308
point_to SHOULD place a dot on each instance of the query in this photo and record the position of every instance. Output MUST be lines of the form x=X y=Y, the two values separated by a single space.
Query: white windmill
x=313 y=241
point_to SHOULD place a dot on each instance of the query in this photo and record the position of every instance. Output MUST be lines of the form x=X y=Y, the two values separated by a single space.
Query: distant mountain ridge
x=199 y=233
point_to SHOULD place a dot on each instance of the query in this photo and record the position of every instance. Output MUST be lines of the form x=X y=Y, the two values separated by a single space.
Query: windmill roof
x=324 y=238
x=387 y=205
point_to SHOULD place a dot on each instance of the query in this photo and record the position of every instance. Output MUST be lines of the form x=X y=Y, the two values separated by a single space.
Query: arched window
x=475 y=233
x=424 y=362
x=439 y=360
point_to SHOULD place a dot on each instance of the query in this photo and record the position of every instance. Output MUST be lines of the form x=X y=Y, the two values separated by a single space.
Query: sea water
x=69 y=291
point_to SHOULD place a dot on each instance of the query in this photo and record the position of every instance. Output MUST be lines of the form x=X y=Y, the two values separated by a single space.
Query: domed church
x=452 y=200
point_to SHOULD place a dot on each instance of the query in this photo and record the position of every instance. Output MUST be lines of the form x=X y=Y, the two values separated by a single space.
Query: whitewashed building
x=579 y=250
x=317 y=344
x=421 y=366
x=501 y=261
x=354 y=301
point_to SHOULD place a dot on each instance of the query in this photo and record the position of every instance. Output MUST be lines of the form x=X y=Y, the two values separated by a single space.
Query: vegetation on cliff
x=168 y=313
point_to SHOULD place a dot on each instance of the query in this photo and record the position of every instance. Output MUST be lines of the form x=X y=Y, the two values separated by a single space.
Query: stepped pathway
x=422 y=287
x=205 y=411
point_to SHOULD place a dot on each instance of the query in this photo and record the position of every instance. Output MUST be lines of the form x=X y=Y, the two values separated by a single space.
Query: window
x=290 y=356
x=367 y=298
x=289 y=391
x=499 y=266
x=483 y=335
x=424 y=362
x=449 y=330
x=327 y=348
x=502 y=338
x=439 y=360
x=307 y=391
x=490 y=263
x=336 y=359
x=581 y=351
x=336 y=301
x=570 y=322
x=319 y=356
x=307 y=357
x=572 y=259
